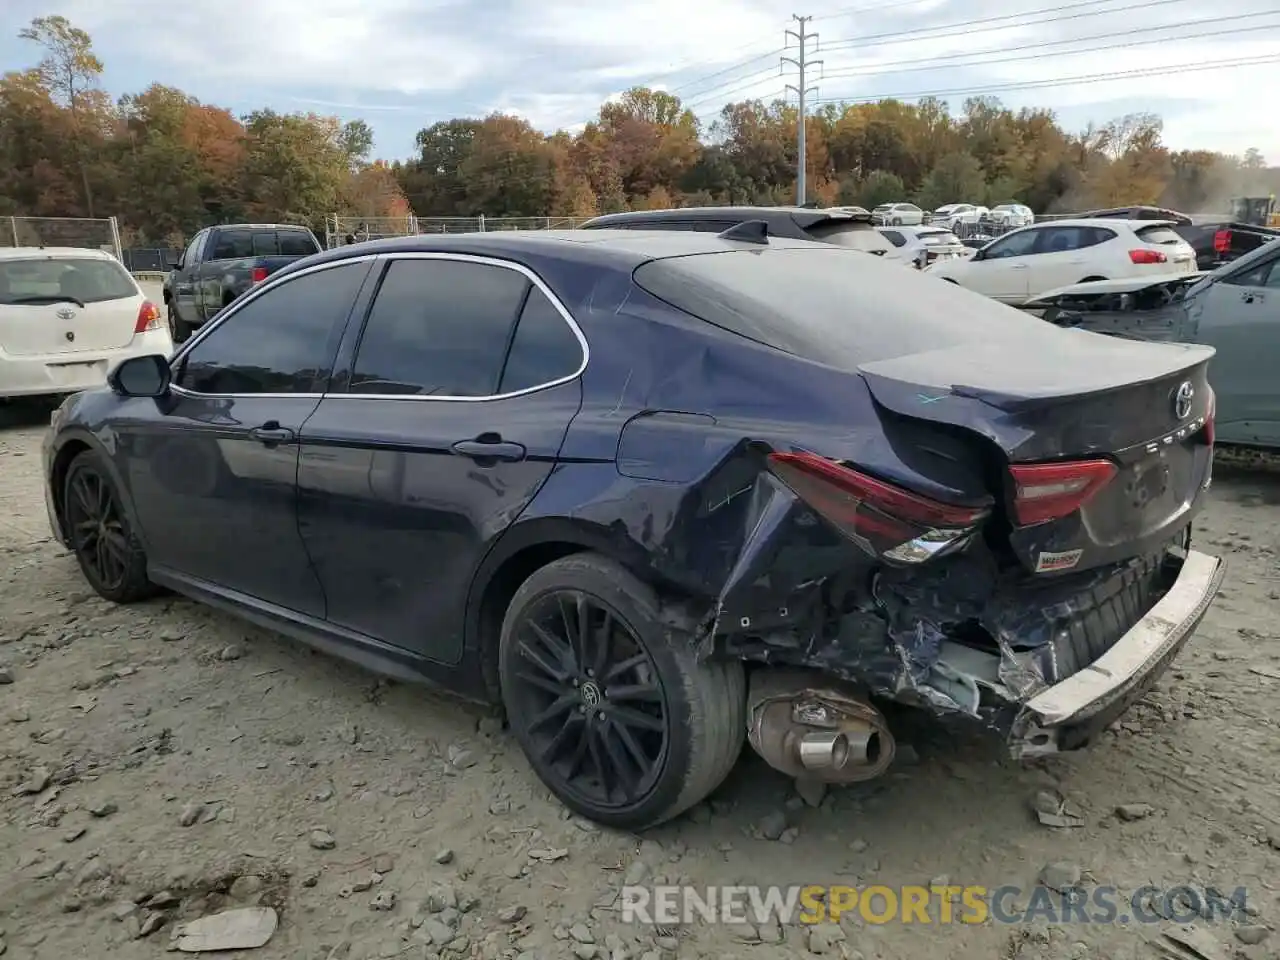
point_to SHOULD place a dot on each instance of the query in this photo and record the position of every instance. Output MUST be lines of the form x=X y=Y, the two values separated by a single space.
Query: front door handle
x=272 y=433
x=489 y=446
x=1017 y=266
x=1251 y=296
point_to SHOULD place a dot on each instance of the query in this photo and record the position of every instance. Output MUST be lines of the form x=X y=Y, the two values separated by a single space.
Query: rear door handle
x=272 y=433
x=1017 y=266
x=490 y=446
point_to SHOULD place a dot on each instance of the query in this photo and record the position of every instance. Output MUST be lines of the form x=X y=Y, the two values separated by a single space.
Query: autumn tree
x=957 y=178
x=70 y=71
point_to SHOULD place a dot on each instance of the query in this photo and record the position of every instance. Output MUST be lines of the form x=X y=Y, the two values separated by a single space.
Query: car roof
x=1105 y=222
x=625 y=249
x=801 y=216
x=36 y=253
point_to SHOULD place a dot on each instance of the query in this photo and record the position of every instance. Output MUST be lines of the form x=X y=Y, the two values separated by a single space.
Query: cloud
x=403 y=64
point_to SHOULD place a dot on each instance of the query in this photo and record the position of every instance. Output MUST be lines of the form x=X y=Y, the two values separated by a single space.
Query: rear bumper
x=64 y=373
x=1071 y=713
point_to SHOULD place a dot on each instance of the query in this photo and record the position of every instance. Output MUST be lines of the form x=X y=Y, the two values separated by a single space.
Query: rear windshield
x=1161 y=235
x=829 y=307
x=854 y=236
x=297 y=243
x=49 y=280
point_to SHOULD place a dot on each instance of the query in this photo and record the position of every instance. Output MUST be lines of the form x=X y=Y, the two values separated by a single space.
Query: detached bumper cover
x=1070 y=713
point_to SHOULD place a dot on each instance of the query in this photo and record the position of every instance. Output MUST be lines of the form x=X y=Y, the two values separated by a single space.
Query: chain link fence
x=96 y=234
x=341 y=230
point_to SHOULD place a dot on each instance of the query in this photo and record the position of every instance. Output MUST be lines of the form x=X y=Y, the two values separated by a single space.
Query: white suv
x=1033 y=260
x=898 y=215
x=1010 y=216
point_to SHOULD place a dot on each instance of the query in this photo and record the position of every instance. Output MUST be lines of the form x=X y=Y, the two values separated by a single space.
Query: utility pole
x=801 y=62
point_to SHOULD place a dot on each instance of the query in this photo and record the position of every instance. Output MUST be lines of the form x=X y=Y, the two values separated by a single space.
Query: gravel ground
x=162 y=762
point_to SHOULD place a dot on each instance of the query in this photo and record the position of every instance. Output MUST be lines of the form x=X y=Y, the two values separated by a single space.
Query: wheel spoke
x=604 y=645
x=117 y=545
x=633 y=748
x=104 y=497
x=646 y=692
x=597 y=757
x=624 y=667
x=557 y=647
x=561 y=705
x=551 y=670
x=541 y=682
x=575 y=621
x=572 y=723
x=619 y=760
x=635 y=719
x=83 y=497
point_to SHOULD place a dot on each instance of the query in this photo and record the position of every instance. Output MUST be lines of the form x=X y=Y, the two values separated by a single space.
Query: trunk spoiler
x=955 y=384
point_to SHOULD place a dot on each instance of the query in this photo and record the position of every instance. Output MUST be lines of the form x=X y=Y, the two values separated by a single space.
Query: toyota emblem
x=1183 y=399
x=66 y=313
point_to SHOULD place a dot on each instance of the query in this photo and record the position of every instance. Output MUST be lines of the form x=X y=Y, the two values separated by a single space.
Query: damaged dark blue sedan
x=658 y=493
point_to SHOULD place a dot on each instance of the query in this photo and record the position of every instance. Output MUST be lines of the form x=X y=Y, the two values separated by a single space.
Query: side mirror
x=977 y=255
x=147 y=376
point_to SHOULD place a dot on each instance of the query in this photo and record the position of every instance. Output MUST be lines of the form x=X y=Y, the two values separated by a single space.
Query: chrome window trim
x=520 y=268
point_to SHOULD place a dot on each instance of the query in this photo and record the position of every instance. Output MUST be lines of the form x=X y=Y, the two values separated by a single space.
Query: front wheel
x=108 y=551
x=611 y=705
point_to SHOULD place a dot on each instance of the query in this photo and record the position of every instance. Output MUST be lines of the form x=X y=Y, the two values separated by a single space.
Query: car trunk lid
x=1104 y=447
x=58 y=305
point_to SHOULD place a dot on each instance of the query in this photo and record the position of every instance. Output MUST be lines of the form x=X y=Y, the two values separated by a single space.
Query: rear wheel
x=897 y=221
x=106 y=547
x=617 y=716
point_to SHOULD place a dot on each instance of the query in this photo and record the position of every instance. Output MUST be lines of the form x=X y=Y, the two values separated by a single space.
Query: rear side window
x=854 y=236
x=296 y=243
x=438 y=328
x=232 y=245
x=544 y=349
x=825 y=306
x=46 y=281
x=894 y=237
x=1158 y=235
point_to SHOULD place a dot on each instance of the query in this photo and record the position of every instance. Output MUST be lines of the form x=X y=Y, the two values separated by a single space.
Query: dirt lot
x=150 y=756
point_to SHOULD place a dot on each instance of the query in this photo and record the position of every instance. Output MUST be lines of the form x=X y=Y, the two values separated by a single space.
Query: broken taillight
x=1209 y=415
x=1051 y=491
x=896 y=523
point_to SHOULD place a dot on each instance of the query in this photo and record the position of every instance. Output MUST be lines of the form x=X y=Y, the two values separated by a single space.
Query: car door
x=183 y=288
x=999 y=270
x=1239 y=316
x=1063 y=257
x=212 y=468
x=463 y=383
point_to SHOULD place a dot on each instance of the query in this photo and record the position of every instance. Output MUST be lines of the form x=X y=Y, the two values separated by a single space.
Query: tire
x=180 y=329
x=897 y=221
x=85 y=475
x=702 y=703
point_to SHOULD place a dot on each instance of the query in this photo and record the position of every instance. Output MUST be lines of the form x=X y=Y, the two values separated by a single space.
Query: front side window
x=1263 y=275
x=894 y=237
x=281 y=341
x=1018 y=244
x=438 y=328
x=192 y=256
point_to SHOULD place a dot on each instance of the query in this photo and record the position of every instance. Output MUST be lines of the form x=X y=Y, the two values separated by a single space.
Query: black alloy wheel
x=109 y=554
x=590 y=699
x=609 y=701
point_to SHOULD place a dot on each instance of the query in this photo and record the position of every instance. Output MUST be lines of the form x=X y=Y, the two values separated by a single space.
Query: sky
x=402 y=65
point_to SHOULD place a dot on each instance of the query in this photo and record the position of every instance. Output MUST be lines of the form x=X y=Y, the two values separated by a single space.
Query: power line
x=801 y=63
x=907 y=36
x=1059 y=81
x=919 y=66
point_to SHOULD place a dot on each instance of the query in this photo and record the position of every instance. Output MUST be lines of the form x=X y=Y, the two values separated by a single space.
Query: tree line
x=166 y=164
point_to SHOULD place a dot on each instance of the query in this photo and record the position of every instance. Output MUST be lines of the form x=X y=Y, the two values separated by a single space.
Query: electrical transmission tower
x=801 y=62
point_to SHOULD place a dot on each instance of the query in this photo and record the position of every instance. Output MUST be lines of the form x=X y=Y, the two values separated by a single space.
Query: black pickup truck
x=223 y=262
x=1215 y=241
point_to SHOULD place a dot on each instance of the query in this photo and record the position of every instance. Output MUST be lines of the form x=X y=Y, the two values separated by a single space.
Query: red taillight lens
x=1212 y=412
x=148 y=318
x=258 y=274
x=1051 y=491
x=1147 y=256
x=902 y=525
x=1222 y=241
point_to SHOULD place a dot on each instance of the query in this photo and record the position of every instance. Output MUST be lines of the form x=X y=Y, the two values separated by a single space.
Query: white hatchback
x=1025 y=263
x=67 y=317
